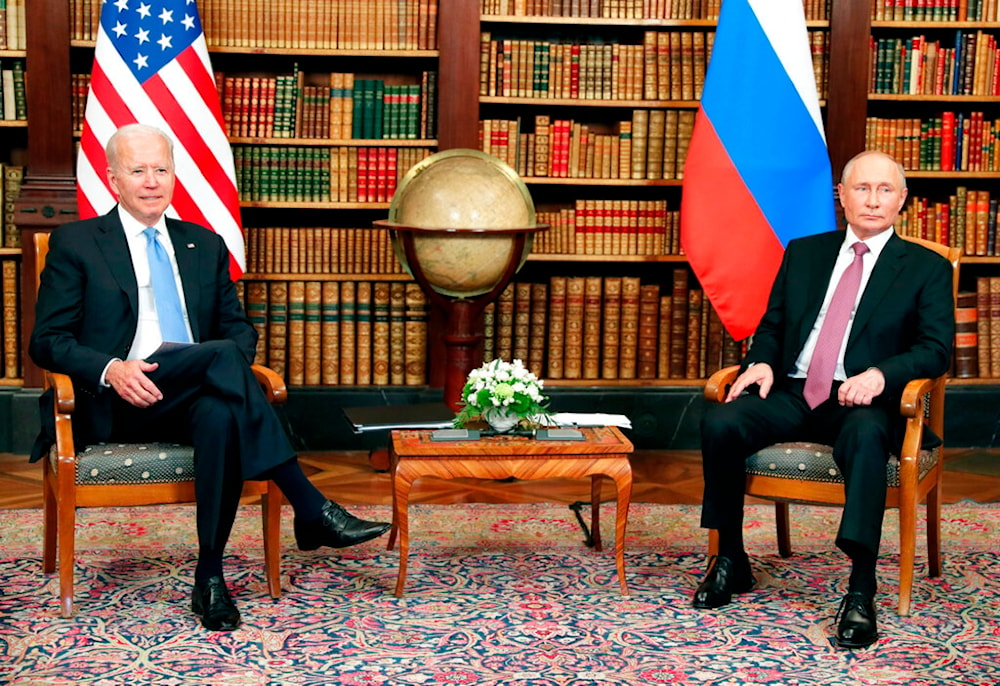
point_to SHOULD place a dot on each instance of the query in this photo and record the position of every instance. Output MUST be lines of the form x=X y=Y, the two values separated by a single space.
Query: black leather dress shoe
x=856 y=626
x=724 y=578
x=336 y=528
x=211 y=601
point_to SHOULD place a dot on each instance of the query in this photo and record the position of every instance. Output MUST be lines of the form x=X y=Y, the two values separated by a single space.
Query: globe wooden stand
x=462 y=337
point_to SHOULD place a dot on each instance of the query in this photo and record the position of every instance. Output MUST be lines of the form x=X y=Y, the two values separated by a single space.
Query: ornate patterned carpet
x=496 y=594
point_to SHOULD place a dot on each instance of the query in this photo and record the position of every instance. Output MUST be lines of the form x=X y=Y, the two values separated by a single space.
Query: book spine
x=380 y=333
x=397 y=333
x=277 y=326
x=573 y=349
x=649 y=315
x=313 y=333
x=296 y=332
x=537 y=328
x=592 y=327
x=11 y=319
x=629 y=345
x=416 y=336
x=966 y=336
x=556 y=327
x=348 y=332
x=611 y=333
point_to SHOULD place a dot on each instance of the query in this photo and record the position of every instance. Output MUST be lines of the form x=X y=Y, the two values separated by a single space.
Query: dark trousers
x=212 y=401
x=860 y=436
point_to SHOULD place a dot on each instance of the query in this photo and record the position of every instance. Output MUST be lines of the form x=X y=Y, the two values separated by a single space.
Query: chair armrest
x=912 y=402
x=65 y=397
x=718 y=384
x=272 y=384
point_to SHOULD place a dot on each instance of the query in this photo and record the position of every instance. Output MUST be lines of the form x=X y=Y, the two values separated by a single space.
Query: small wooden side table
x=603 y=452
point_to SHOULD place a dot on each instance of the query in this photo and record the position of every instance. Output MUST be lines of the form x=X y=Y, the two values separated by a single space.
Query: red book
x=362 y=174
x=381 y=172
x=947 y=141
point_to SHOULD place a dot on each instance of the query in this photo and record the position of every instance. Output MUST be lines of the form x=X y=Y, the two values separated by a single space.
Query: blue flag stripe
x=745 y=75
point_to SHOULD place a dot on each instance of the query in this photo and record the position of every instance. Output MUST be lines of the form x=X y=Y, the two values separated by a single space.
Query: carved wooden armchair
x=806 y=473
x=116 y=475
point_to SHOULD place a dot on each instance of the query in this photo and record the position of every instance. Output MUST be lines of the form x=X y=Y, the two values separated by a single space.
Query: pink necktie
x=819 y=377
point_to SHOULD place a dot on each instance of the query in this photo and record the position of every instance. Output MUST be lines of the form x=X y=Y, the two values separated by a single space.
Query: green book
x=358 y=115
x=378 y=107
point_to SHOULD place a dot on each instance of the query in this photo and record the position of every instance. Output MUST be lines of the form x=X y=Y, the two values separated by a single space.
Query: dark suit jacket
x=87 y=310
x=905 y=321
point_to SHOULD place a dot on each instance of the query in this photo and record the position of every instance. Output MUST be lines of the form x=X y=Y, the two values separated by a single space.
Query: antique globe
x=465 y=209
x=461 y=223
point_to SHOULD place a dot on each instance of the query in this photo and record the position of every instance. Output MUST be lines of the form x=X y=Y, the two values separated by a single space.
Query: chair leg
x=713 y=542
x=50 y=521
x=907 y=554
x=66 y=535
x=934 y=529
x=782 y=527
x=270 y=504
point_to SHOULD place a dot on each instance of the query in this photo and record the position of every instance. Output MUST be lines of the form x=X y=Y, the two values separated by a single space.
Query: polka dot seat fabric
x=134 y=463
x=814 y=462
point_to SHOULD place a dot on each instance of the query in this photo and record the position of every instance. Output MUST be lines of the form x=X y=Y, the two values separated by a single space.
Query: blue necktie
x=168 y=303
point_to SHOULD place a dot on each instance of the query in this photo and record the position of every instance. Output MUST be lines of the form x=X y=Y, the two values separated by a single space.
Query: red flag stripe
x=202 y=80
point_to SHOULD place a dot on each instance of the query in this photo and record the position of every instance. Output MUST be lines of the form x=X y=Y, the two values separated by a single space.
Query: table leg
x=401 y=483
x=595 y=511
x=623 y=485
x=393 y=460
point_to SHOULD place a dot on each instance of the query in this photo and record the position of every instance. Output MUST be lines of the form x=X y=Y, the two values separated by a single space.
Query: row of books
x=336 y=106
x=308 y=24
x=628 y=9
x=672 y=66
x=938 y=10
x=611 y=327
x=949 y=142
x=340 y=332
x=977 y=330
x=321 y=174
x=13 y=100
x=10 y=279
x=968 y=220
x=12 y=35
x=653 y=144
x=320 y=250
x=11 y=176
x=918 y=66
x=609 y=227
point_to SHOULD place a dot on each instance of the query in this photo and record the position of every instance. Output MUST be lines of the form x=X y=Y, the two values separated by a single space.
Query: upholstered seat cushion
x=133 y=463
x=814 y=462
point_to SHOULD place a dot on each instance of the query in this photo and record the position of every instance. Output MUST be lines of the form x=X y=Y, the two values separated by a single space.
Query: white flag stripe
x=782 y=23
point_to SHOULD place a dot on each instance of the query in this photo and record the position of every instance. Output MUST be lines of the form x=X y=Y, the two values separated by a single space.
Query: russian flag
x=757 y=173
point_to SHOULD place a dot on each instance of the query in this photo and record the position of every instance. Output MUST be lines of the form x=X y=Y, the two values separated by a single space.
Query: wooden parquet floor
x=660 y=476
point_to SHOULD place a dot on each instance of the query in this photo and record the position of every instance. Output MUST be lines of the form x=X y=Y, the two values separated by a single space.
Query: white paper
x=591 y=419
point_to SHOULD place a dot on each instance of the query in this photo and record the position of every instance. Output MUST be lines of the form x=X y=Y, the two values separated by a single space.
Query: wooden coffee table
x=604 y=452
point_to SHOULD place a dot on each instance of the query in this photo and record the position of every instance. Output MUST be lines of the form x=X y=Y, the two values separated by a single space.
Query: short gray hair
x=133 y=131
x=865 y=153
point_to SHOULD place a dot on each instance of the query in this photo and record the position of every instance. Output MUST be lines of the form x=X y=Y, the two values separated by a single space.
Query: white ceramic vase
x=501 y=419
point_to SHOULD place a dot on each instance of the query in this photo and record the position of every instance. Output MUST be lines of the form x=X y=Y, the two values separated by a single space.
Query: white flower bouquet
x=504 y=395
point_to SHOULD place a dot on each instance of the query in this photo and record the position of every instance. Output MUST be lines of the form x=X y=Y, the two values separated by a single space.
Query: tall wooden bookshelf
x=464 y=105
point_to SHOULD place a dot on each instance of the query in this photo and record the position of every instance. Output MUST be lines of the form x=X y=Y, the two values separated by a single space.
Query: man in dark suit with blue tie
x=852 y=317
x=115 y=290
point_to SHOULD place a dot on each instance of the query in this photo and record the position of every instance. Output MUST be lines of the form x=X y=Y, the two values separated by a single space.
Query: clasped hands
x=860 y=389
x=128 y=379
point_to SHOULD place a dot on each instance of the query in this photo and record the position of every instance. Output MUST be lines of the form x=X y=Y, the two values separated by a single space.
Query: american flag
x=151 y=66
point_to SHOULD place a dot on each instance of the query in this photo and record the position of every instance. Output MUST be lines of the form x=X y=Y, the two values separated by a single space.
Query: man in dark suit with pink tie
x=116 y=288
x=852 y=317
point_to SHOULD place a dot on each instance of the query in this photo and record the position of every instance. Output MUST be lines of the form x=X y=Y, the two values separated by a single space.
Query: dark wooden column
x=48 y=194
x=458 y=74
x=847 y=104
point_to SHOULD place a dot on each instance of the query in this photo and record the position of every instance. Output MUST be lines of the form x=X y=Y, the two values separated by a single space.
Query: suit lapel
x=187 y=255
x=113 y=245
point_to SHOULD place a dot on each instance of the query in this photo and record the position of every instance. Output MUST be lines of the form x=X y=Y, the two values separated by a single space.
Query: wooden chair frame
x=62 y=494
x=922 y=405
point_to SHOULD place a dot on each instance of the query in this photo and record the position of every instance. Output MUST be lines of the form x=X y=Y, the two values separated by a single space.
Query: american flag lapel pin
x=190 y=245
